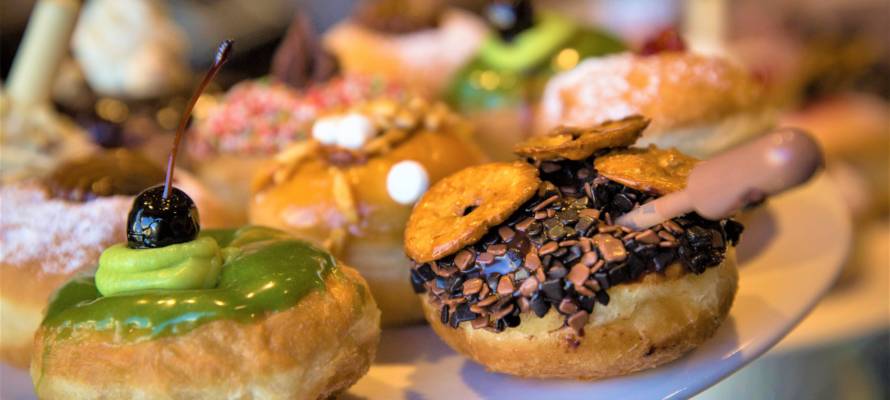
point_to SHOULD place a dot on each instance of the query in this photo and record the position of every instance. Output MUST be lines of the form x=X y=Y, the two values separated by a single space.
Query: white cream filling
x=705 y=140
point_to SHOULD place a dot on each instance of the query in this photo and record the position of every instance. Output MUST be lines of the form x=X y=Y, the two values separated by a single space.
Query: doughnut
x=499 y=88
x=647 y=324
x=351 y=187
x=550 y=286
x=420 y=45
x=45 y=242
x=254 y=120
x=285 y=320
x=174 y=312
x=48 y=234
x=699 y=104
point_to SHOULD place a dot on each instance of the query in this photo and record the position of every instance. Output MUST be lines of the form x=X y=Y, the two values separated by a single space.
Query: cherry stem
x=222 y=55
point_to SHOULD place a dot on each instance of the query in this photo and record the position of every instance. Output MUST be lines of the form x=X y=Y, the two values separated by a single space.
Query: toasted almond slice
x=650 y=169
x=576 y=143
x=458 y=210
x=284 y=165
x=343 y=197
x=297 y=151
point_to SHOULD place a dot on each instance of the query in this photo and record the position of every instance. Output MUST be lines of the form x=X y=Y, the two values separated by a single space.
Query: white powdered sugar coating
x=62 y=236
x=698 y=104
x=674 y=90
x=594 y=100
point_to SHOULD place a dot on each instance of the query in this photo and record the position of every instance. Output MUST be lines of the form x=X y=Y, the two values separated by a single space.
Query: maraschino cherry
x=163 y=215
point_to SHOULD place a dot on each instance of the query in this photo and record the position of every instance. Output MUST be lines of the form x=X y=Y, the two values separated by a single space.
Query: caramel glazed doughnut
x=522 y=270
x=699 y=104
x=352 y=186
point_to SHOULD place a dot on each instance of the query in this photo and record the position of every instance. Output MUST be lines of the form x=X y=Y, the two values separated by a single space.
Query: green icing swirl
x=270 y=271
x=190 y=265
x=530 y=47
x=516 y=72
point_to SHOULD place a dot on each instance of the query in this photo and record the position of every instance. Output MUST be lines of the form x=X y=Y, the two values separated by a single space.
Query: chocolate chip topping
x=102 y=174
x=561 y=250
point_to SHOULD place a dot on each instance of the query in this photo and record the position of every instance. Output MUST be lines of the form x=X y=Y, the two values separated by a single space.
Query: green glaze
x=530 y=47
x=269 y=272
x=514 y=74
x=191 y=265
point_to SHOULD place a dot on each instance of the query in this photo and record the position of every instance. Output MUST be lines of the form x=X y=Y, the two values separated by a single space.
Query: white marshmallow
x=354 y=130
x=325 y=130
x=407 y=181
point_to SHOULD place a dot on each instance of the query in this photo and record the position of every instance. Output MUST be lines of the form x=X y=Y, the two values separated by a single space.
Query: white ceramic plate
x=854 y=300
x=791 y=253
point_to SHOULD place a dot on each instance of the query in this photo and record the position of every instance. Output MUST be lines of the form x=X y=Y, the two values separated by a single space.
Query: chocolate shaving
x=561 y=250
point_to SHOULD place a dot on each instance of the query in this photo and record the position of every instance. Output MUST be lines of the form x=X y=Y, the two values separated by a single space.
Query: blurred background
x=825 y=64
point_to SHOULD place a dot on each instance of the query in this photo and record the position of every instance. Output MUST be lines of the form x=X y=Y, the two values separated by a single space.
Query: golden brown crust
x=650 y=169
x=306 y=204
x=228 y=176
x=32 y=266
x=383 y=266
x=646 y=324
x=577 y=143
x=313 y=350
x=24 y=291
x=461 y=208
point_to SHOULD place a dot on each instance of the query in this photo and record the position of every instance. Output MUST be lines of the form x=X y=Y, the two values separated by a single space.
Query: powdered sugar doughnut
x=696 y=103
x=43 y=242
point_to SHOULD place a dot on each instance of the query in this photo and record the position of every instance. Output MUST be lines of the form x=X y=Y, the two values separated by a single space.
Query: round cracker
x=458 y=210
x=650 y=169
x=577 y=143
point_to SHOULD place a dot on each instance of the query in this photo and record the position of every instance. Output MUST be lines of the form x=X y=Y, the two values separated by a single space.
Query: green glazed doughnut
x=507 y=74
x=269 y=271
